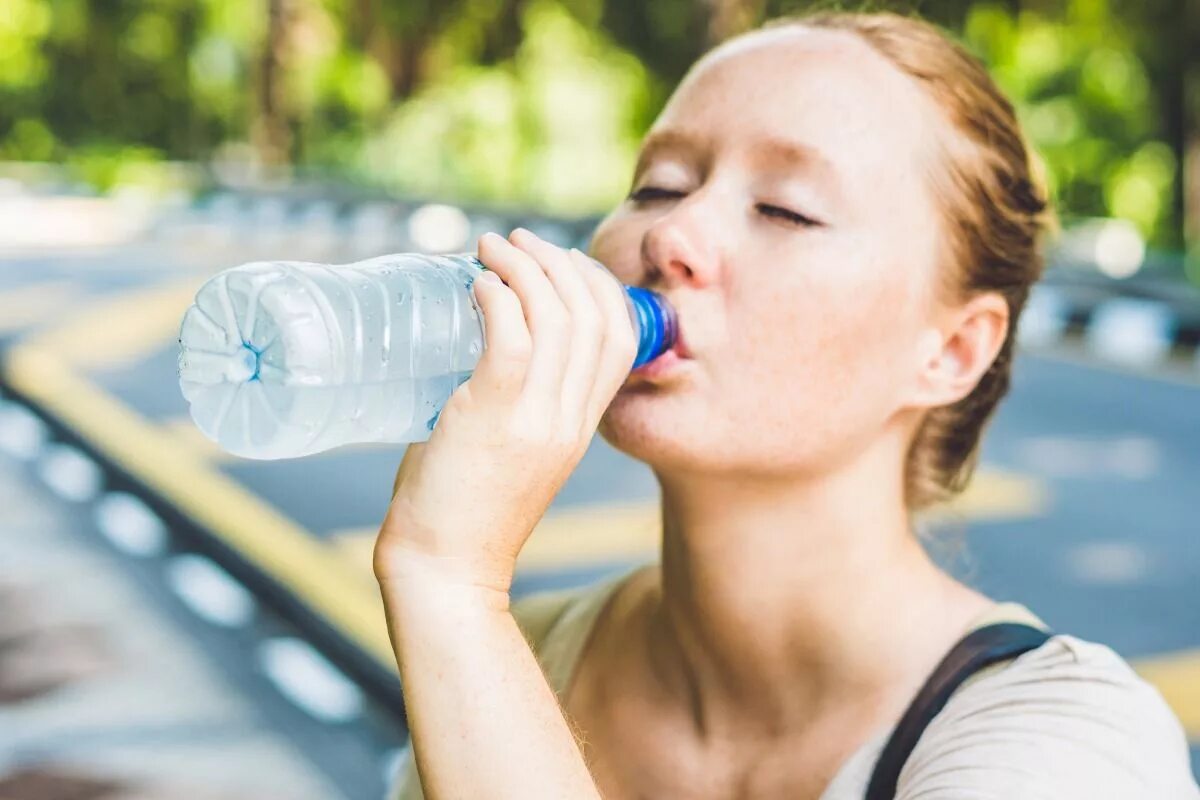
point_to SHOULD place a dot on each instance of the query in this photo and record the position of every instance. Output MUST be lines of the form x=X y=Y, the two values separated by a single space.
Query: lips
x=670 y=361
x=680 y=347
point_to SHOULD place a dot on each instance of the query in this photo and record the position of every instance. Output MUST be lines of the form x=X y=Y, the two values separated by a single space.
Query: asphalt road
x=1087 y=507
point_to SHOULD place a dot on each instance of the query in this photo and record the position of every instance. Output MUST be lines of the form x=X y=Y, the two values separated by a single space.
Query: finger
x=546 y=316
x=587 y=323
x=619 y=348
x=508 y=345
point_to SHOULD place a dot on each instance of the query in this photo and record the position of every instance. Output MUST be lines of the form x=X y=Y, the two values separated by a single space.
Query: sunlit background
x=179 y=623
x=541 y=103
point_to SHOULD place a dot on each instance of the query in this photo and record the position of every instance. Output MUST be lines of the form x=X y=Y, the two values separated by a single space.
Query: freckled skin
x=805 y=339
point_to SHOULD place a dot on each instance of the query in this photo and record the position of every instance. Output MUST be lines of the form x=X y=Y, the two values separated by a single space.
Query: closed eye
x=787 y=215
x=648 y=193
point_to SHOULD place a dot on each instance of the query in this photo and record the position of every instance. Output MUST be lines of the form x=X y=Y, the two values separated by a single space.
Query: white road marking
x=209 y=591
x=1108 y=563
x=130 y=525
x=22 y=433
x=69 y=473
x=1130 y=457
x=306 y=678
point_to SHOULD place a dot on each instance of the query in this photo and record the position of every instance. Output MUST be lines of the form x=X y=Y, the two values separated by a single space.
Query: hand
x=558 y=344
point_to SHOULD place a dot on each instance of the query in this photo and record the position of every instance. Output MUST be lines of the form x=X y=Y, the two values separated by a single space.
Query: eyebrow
x=765 y=152
x=662 y=140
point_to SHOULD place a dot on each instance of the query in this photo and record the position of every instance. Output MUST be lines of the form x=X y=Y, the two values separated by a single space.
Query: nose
x=679 y=249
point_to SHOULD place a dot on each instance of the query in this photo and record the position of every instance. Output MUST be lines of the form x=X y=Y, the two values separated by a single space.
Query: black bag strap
x=981 y=648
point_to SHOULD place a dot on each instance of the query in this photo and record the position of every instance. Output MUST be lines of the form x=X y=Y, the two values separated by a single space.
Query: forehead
x=826 y=90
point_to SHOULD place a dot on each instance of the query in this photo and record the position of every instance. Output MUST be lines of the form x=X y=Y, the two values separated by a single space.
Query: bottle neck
x=654 y=320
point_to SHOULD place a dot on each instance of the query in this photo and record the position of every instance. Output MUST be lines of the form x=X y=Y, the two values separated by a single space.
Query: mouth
x=680 y=347
x=673 y=360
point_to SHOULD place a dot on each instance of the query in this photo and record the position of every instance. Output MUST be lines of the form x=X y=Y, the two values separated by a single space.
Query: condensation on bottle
x=283 y=359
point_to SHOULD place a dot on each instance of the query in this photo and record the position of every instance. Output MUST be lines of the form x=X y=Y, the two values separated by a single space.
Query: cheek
x=829 y=353
x=617 y=245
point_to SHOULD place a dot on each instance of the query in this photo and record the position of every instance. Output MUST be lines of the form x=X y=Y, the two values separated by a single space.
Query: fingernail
x=489 y=277
x=493 y=235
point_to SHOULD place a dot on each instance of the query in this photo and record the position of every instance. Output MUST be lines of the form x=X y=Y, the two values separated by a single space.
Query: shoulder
x=1068 y=720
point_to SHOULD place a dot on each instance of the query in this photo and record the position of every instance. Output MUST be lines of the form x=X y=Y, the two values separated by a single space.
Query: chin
x=656 y=429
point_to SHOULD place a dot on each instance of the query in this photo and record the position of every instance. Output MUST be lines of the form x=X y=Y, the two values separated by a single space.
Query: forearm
x=484 y=722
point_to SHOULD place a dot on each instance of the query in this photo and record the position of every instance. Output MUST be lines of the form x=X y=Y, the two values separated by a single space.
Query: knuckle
x=625 y=343
x=522 y=266
x=590 y=324
x=515 y=352
x=557 y=321
x=527 y=431
x=567 y=437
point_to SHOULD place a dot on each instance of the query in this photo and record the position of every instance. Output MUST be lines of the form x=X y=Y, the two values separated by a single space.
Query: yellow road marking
x=184 y=431
x=119 y=331
x=996 y=494
x=574 y=537
x=581 y=535
x=262 y=536
x=611 y=532
x=29 y=305
x=357 y=547
x=1177 y=676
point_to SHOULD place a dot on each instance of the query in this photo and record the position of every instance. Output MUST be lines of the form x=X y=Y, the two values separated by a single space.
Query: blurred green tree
x=542 y=102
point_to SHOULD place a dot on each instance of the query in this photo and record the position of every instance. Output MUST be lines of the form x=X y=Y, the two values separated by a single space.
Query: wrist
x=408 y=573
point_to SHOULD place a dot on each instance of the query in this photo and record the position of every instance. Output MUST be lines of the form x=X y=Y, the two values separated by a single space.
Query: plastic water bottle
x=284 y=359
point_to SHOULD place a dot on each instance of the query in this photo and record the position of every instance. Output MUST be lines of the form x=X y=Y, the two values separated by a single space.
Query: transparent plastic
x=285 y=359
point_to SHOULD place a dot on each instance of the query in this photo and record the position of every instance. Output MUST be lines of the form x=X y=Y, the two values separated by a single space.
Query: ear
x=954 y=356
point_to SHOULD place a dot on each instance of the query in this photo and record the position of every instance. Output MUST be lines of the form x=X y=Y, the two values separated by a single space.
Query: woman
x=841 y=209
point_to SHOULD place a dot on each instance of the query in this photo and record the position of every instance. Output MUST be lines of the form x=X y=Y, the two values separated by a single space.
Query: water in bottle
x=285 y=359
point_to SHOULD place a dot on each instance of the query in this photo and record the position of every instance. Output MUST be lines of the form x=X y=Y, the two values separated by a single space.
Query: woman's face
x=781 y=203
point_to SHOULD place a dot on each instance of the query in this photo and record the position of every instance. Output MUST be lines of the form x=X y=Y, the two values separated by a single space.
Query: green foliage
x=553 y=128
x=535 y=102
x=1087 y=104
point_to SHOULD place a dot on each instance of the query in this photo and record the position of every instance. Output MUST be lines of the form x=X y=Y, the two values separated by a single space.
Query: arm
x=484 y=721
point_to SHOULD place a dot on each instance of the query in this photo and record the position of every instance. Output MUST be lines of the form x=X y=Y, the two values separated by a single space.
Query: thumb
x=414 y=454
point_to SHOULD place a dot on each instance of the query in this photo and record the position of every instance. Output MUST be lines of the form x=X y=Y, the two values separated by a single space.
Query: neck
x=780 y=599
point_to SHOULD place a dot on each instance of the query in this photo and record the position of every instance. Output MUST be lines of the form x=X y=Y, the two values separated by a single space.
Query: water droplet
x=474 y=348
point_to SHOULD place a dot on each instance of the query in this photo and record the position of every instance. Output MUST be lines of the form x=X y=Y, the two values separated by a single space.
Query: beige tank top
x=1070 y=720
